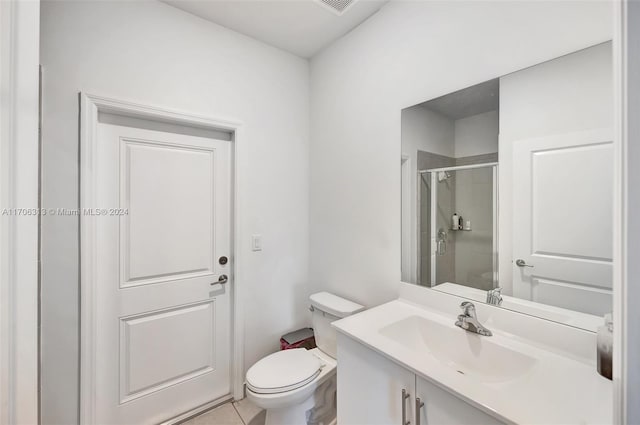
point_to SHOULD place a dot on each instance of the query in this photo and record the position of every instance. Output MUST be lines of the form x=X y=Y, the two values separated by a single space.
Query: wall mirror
x=507 y=190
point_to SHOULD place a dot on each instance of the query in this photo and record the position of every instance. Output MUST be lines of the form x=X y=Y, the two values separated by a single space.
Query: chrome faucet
x=469 y=322
x=494 y=296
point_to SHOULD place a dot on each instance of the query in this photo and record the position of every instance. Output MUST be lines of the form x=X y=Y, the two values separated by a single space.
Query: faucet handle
x=494 y=296
x=462 y=321
x=468 y=308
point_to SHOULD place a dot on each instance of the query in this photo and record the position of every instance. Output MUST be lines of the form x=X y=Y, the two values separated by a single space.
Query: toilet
x=298 y=386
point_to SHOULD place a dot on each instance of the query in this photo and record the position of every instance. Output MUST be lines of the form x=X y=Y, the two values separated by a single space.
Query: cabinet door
x=443 y=408
x=370 y=387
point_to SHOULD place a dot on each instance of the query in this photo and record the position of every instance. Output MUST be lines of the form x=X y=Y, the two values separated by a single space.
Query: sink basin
x=465 y=352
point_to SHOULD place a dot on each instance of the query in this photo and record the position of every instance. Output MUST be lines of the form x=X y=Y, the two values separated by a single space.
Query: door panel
x=162 y=320
x=150 y=358
x=564 y=178
x=159 y=183
x=563 y=220
x=574 y=296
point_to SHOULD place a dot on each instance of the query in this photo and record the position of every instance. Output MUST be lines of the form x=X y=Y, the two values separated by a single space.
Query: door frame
x=626 y=61
x=90 y=106
x=19 y=190
x=409 y=227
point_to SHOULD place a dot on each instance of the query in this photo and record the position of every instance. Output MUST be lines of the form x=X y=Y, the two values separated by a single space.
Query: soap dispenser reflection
x=455 y=221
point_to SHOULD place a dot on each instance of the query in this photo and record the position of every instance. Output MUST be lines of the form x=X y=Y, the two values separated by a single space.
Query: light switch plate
x=256 y=242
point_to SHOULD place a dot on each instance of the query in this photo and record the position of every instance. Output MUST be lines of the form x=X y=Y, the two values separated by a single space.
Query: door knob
x=222 y=279
x=521 y=263
x=223 y=260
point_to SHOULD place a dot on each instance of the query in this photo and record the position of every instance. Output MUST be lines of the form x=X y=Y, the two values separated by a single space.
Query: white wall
x=426 y=130
x=403 y=55
x=571 y=93
x=476 y=135
x=154 y=54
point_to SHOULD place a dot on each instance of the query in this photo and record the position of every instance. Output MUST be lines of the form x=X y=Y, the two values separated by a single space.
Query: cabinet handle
x=419 y=405
x=405 y=396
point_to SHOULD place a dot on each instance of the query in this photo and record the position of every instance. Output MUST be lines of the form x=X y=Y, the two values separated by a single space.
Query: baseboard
x=198 y=410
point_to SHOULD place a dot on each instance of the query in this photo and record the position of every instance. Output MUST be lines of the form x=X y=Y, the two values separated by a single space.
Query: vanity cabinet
x=370 y=391
x=370 y=386
x=442 y=408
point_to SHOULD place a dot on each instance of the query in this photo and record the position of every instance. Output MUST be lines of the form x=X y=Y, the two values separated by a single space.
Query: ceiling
x=483 y=97
x=302 y=27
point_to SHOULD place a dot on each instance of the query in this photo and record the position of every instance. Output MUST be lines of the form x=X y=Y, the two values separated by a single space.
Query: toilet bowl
x=298 y=386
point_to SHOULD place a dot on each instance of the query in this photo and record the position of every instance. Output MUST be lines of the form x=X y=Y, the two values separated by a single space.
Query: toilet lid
x=283 y=371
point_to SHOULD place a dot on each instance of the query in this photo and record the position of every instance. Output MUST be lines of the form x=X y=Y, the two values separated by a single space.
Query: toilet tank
x=326 y=308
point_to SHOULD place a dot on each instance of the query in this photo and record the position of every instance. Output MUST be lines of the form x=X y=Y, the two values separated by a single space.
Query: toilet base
x=319 y=409
x=292 y=415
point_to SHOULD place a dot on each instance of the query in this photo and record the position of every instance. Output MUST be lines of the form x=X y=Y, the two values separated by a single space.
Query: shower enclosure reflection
x=458 y=218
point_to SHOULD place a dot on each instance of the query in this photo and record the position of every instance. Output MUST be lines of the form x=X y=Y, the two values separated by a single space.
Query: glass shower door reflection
x=458 y=221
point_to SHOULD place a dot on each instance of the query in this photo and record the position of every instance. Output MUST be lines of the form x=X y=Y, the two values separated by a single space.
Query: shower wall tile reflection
x=474 y=249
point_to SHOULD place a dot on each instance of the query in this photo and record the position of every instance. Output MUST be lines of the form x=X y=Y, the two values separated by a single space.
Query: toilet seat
x=283 y=371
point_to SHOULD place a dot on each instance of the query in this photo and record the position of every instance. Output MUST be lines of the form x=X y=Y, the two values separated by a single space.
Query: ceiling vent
x=336 y=6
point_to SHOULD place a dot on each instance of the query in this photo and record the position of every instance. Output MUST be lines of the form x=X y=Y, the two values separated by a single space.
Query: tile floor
x=242 y=412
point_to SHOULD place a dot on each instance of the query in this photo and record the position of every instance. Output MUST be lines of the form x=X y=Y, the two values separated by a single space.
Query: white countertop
x=559 y=389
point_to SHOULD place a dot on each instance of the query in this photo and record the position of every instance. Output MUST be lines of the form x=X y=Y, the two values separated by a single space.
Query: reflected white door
x=162 y=325
x=563 y=220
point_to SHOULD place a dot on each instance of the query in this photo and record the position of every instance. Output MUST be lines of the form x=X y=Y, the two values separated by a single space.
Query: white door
x=162 y=320
x=563 y=220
